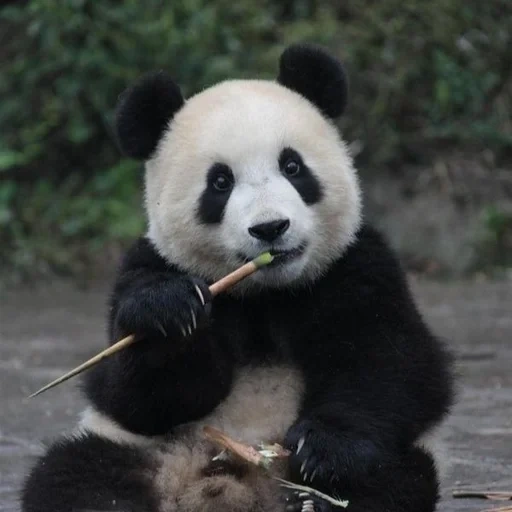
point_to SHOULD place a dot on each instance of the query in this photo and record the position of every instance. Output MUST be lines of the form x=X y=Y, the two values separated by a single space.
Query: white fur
x=262 y=405
x=182 y=488
x=245 y=125
x=105 y=427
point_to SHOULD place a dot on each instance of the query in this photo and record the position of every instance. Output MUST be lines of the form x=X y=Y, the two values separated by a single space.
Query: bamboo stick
x=216 y=288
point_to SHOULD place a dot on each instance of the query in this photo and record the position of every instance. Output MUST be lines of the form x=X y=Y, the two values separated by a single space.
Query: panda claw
x=200 y=294
x=308 y=506
x=313 y=475
x=183 y=331
x=300 y=444
x=161 y=329
x=303 y=501
x=194 y=321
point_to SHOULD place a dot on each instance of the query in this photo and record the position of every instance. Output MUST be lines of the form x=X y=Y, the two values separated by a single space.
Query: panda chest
x=263 y=403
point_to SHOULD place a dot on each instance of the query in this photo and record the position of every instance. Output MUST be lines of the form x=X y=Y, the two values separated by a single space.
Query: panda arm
x=376 y=378
x=165 y=378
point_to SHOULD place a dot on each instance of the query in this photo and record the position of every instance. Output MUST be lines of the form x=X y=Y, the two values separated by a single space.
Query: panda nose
x=269 y=231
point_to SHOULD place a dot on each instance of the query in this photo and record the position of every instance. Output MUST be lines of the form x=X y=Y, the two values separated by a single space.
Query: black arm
x=376 y=378
x=176 y=372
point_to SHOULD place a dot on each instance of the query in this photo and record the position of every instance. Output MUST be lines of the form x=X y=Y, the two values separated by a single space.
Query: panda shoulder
x=143 y=255
x=371 y=250
x=371 y=268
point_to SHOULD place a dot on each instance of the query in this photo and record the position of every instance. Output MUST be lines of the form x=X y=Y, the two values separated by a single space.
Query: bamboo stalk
x=215 y=289
x=333 y=501
x=240 y=273
x=262 y=457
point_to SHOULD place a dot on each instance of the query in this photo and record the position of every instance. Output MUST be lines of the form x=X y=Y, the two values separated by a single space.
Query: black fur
x=376 y=378
x=150 y=299
x=406 y=482
x=316 y=75
x=143 y=113
x=88 y=473
x=305 y=182
x=212 y=202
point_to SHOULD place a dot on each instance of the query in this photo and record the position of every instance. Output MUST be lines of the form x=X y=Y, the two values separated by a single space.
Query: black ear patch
x=143 y=112
x=316 y=75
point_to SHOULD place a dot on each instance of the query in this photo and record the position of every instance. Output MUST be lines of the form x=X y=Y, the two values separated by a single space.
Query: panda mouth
x=281 y=256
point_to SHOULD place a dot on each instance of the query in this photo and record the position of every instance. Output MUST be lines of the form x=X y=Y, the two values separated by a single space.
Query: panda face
x=246 y=167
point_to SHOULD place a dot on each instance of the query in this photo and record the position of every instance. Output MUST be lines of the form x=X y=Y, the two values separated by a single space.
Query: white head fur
x=246 y=124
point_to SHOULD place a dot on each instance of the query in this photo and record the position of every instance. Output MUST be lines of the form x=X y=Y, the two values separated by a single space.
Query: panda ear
x=316 y=75
x=143 y=113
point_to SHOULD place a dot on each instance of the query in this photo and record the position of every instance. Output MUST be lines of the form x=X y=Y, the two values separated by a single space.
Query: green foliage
x=68 y=227
x=70 y=60
x=427 y=75
x=423 y=75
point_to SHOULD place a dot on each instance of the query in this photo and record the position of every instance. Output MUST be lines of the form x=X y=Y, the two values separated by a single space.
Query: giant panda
x=323 y=351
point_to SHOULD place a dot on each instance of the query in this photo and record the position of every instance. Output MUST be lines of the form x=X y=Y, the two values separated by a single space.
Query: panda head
x=247 y=166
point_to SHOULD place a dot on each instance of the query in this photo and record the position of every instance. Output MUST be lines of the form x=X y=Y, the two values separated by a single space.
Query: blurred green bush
x=424 y=75
x=428 y=75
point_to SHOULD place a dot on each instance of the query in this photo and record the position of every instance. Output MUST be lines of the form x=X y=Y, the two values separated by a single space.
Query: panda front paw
x=168 y=309
x=328 y=458
x=299 y=501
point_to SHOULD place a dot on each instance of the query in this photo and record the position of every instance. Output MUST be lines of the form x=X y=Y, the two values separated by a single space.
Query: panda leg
x=88 y=473
x=409 y=483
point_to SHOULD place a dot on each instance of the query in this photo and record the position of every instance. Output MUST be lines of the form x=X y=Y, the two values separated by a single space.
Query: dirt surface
x=45 y=332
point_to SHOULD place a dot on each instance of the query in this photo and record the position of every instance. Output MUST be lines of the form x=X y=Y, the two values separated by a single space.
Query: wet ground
x=46 y=332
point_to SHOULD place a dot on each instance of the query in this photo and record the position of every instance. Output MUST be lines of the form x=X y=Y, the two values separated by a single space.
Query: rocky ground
x=45 y=332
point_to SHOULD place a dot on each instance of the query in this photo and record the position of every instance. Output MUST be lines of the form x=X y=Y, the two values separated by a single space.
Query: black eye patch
x=212 y=203
x=300 y=176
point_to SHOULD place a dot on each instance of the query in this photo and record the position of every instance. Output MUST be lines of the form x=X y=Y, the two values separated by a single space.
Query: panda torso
x=262 y=404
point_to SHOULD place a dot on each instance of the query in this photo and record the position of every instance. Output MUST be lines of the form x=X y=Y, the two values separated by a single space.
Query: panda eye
x=222 y=183
x=220 y=178
x=291 y=167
